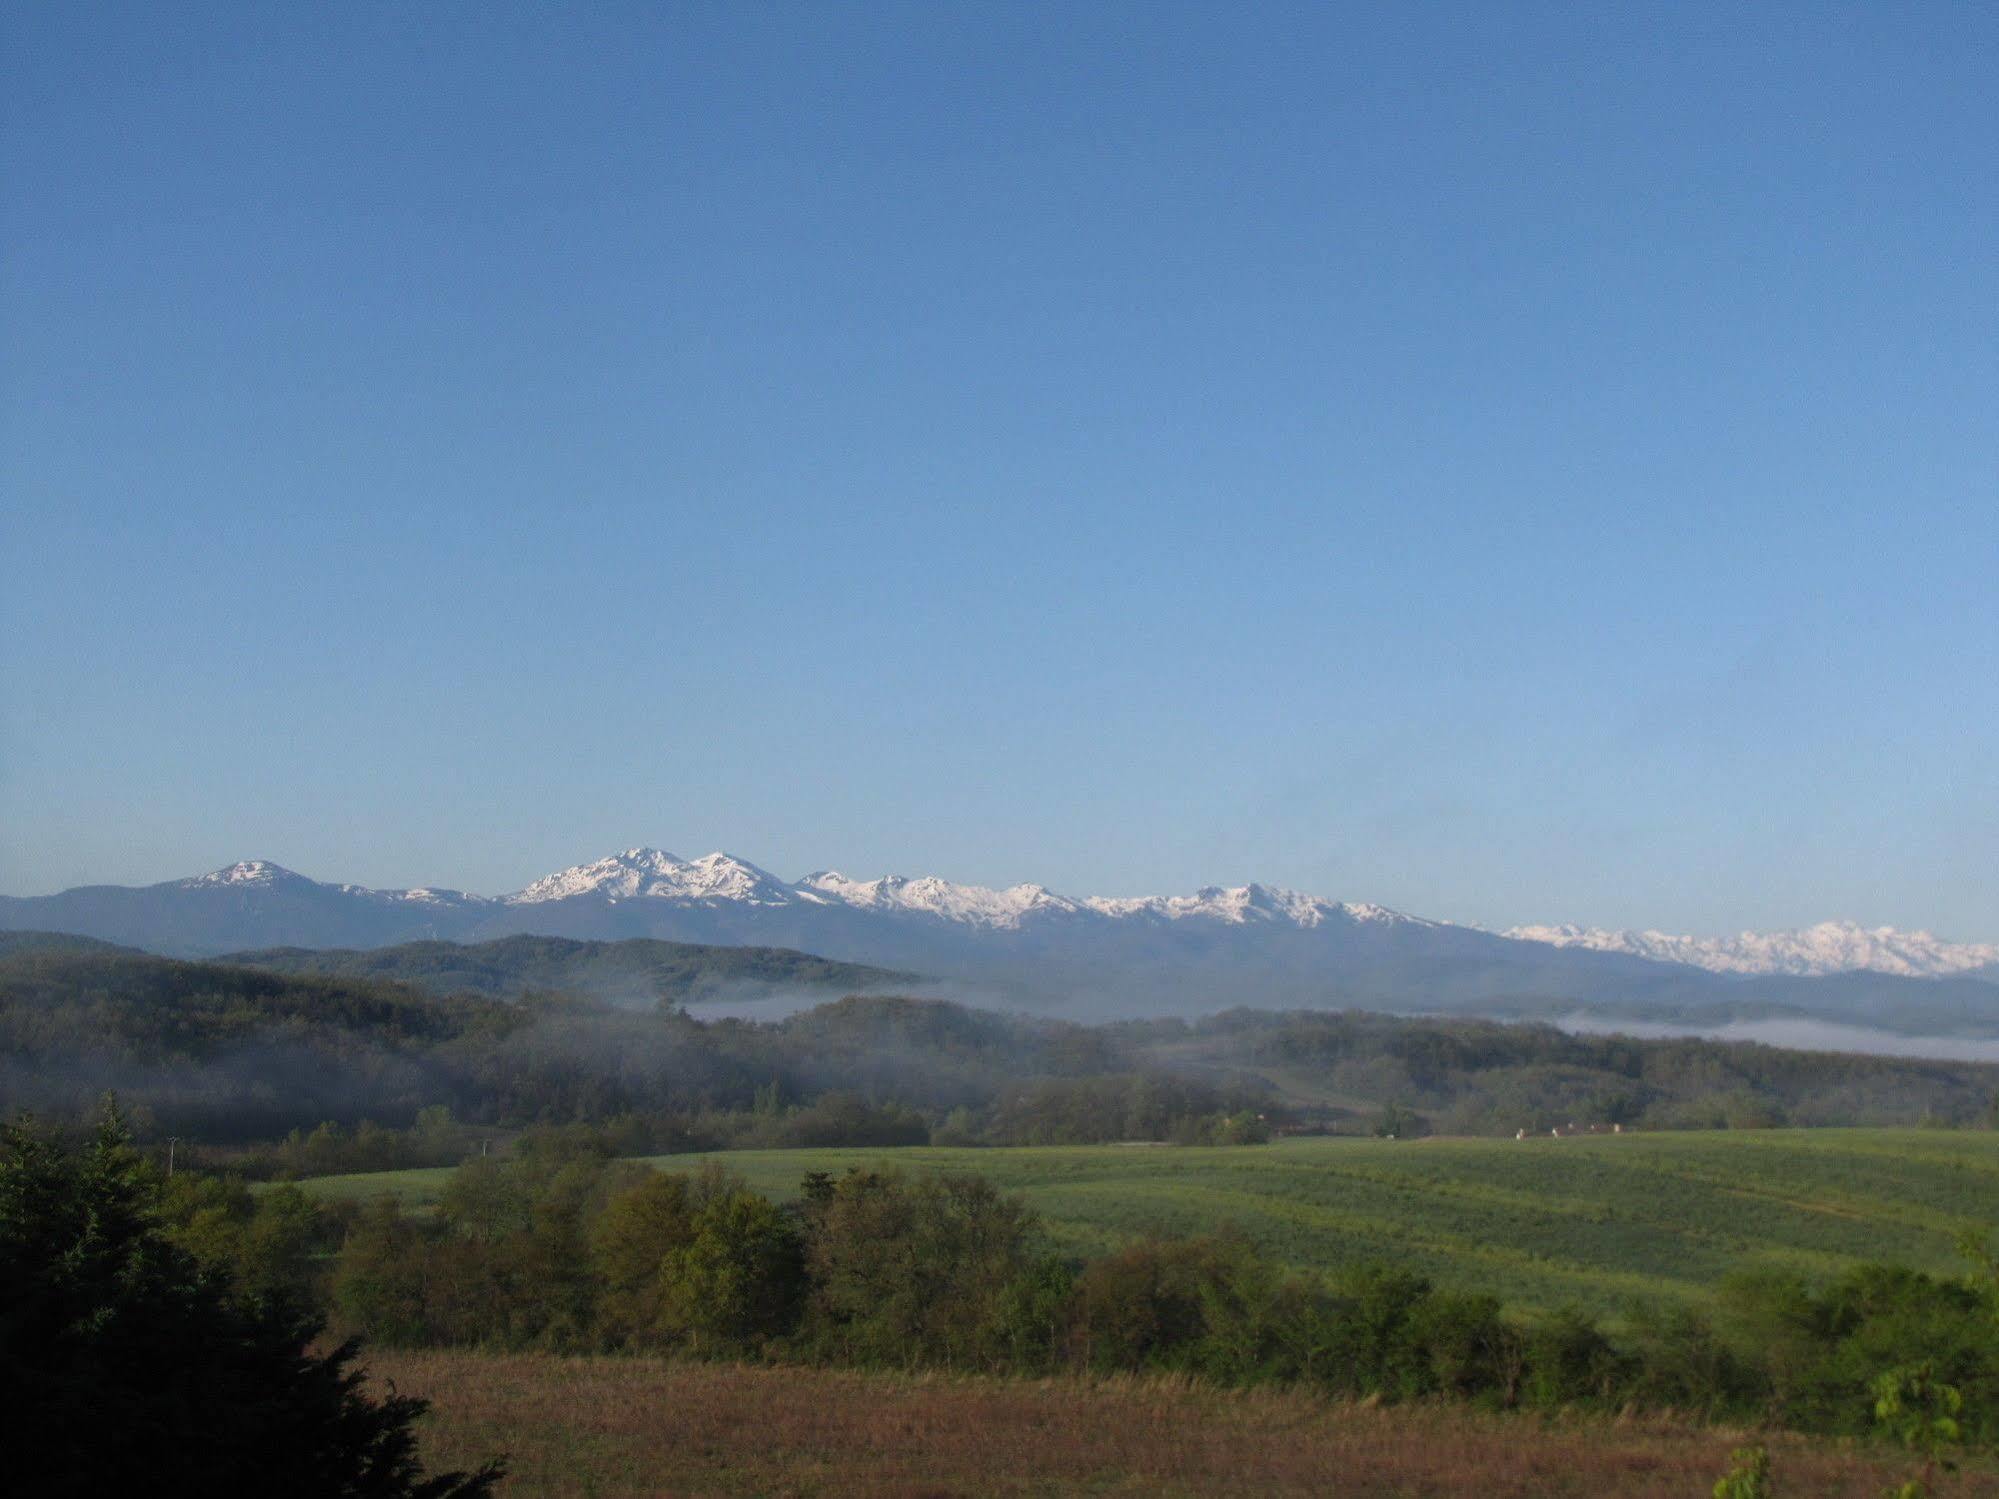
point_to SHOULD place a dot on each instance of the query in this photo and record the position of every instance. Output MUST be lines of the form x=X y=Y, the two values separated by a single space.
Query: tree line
x=562 y=1246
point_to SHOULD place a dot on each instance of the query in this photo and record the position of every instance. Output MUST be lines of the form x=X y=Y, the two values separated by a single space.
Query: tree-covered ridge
x=228 y=1053
x=638 y=971
x=31 y=941
x=165 y=1008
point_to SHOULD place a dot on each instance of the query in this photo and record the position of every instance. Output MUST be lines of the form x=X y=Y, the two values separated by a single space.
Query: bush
x=1878 y=1318
x=1680 y=1363
x=1375 y=1347
x=1570 y=1362
x=1468 y=1349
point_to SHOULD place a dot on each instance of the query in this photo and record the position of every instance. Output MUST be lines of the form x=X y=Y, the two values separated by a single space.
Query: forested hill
x=226 y=1052
x=48 y=942
x=638 y=972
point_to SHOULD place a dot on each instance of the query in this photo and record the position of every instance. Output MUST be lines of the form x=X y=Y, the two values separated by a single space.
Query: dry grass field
x=609 y=1428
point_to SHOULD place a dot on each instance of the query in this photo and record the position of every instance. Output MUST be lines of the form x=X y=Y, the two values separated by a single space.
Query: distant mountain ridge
x=1806 y=952
x=1219 y=946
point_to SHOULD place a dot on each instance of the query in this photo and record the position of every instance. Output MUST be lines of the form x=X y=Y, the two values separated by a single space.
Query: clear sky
x=1506 y=462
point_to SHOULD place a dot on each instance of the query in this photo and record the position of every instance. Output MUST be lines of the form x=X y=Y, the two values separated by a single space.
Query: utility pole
x=172 y=1140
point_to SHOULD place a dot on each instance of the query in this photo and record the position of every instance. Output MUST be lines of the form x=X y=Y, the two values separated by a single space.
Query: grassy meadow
x=1586 y=1220
x=617 y=1428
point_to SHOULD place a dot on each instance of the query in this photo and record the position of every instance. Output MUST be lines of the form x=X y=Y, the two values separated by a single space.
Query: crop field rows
x=1588 y=1220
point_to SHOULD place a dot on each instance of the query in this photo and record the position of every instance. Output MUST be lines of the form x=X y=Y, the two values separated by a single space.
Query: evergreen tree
x=128 y=1367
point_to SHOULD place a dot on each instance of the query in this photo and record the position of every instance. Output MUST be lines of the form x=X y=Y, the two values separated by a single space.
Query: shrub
x=1571 y=1362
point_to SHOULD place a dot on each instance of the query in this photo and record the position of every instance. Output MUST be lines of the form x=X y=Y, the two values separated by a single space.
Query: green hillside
x=636 y=971
x=1541 y=1222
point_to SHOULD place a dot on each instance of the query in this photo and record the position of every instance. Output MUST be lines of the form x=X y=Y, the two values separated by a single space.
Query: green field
x=1591 y=1220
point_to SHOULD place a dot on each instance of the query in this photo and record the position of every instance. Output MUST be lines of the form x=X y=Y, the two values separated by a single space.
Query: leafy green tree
x=907 y=1273
x=1397 y=1123
x=960 y=1128
x=268 y=1242
x=382 y=1280
x=1147 y=1305
x=1032 y=1314
x=629 y=1243
x=486 y=1201
x=738 y=1279
x=126 y=1366
x=1244 y=1127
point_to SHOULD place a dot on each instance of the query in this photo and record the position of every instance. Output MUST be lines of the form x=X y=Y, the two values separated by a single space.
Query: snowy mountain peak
x=1813 y=951
x=653 y=873
x=720 y=876
x=1241 y=904
x=1253 y=902
x=246 y=873
x=425 y=895
x=927 y=895
x=621 y=875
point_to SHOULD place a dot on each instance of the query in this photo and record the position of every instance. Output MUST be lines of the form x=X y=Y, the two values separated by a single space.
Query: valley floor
x=617 y=1427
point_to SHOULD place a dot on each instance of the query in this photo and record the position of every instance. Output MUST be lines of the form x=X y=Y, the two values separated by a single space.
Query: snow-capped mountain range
x=1244 y=944
x=653 y=874
x=1813 y=951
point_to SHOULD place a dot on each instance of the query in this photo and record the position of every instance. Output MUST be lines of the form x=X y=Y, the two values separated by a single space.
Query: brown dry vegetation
x=627 y=1426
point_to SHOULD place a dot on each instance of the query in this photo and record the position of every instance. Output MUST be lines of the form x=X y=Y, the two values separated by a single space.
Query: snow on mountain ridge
x=653 y=873
x=722 y=879
x=1806 y=952
x=262 y=874
x=977 y=905
x=1239 y=904
x=980 y=905
x=243 y=872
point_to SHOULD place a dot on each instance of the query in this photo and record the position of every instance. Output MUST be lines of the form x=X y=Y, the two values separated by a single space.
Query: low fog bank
x=244 y=1053
x=1108 y=1007
x=765 y=1004
x=1792 y=1033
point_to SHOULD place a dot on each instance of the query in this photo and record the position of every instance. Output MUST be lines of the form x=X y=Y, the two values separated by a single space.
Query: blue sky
x=1507 y=462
